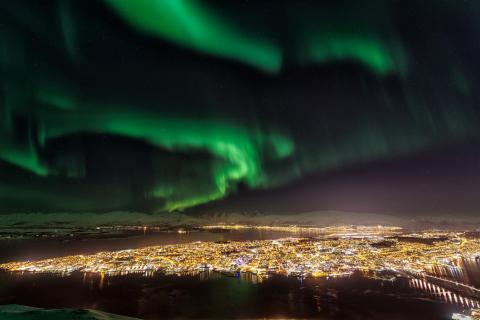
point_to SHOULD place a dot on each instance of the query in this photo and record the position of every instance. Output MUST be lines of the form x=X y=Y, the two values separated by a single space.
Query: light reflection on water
x=215 y=295
x=466 y=271
x=34 y=249
x=442 y=294
x=246 y=293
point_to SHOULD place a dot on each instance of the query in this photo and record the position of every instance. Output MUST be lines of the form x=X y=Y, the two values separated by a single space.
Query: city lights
x=339 y=252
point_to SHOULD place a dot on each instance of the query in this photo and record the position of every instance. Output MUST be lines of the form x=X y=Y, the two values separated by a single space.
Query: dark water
x=465 y=271
x=211 y=295
x=34 y=249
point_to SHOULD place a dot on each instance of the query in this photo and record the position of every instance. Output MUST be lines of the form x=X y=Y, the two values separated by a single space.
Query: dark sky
x=287 y=105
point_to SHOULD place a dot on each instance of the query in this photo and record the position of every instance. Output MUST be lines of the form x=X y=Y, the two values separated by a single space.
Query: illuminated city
x=432 y=261
x=199 y=159
x=330 y=256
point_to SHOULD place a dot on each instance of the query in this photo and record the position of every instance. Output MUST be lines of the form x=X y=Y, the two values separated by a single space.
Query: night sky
x=286 y=105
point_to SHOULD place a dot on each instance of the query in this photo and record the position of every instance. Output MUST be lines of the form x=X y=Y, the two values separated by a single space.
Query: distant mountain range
x=316 y=218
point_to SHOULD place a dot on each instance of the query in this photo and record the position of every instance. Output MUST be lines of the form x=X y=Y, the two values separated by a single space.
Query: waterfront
x=256 y=272
x=19 y=249
x=212 y=295
x=322 y=256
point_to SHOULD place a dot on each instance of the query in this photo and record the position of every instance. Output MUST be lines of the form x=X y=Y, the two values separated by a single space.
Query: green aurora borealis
x=163 y=105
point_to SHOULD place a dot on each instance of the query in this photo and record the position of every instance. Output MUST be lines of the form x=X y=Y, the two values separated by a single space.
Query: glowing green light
x=237 y=150
x=190 y=24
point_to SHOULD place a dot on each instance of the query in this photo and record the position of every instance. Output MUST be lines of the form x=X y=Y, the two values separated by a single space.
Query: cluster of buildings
x=321 y=256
